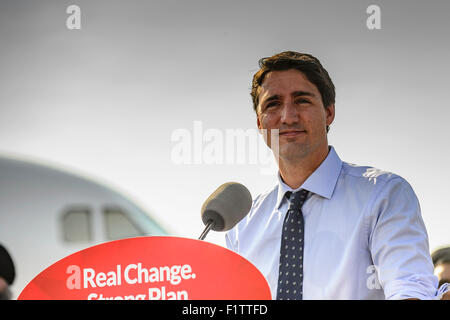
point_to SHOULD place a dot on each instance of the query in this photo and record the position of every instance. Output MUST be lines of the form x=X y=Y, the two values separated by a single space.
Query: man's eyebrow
x=294 y=94
x=302 y=93
x=271 y=98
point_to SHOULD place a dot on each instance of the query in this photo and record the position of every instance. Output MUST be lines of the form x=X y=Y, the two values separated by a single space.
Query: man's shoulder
x=269 y=194
x=374 y=182
x=368 y=174
x=262 y=200
x=261 y=197
x=258 y=205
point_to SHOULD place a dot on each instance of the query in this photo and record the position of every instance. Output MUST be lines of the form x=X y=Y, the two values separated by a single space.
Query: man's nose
x=289 y=113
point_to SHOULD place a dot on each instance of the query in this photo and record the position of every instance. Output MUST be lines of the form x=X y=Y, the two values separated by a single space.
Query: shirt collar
x=322 y=181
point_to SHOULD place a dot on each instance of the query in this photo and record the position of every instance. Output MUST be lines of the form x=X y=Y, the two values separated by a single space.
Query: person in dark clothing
x=7 y=274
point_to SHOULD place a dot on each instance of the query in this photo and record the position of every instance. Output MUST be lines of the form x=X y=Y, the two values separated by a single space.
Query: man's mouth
x=291 y=132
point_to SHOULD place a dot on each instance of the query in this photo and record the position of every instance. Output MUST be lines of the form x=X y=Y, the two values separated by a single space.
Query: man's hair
x=441 y=255
x=303 y=62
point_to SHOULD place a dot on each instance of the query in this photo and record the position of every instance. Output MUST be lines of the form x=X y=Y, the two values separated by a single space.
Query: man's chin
x=293 y=152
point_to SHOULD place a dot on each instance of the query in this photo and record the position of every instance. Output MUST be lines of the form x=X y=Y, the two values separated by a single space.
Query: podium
x=150 y=268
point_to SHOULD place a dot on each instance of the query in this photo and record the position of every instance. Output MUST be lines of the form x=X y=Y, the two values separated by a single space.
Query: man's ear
x=258 y=124
x=329 y=114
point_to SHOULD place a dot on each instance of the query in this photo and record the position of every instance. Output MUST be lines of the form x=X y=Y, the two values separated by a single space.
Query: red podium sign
x=150 y=268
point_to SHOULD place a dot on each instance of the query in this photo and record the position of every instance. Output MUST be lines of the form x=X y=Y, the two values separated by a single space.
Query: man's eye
x=302 y=101
x=272 y=104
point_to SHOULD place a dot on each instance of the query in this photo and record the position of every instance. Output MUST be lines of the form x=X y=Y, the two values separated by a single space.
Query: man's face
x=289 y=102
x=442 y=271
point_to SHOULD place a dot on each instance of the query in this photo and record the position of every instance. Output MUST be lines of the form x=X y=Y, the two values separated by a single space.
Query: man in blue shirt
x=363 y=234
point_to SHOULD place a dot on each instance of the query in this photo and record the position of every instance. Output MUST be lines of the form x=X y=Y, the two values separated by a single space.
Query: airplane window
x=77 y=225
x=118 y=225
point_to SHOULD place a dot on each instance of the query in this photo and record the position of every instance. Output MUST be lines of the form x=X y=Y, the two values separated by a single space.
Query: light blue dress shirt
x=364 y=235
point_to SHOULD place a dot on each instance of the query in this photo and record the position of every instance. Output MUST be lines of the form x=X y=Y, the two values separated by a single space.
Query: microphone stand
x=210 y=224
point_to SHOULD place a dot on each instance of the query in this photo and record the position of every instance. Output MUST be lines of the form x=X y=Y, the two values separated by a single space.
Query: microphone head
x=226 y=206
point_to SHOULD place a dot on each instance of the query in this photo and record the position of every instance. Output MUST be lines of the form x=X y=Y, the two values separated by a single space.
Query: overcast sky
x=106 y=100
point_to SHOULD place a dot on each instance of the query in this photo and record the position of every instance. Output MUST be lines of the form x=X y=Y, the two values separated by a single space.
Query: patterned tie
x=290 y=278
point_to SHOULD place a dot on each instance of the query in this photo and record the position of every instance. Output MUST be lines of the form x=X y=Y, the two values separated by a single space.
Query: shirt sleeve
x=399 y=244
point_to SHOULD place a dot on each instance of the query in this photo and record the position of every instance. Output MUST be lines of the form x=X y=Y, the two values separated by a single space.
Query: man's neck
x=294 y=174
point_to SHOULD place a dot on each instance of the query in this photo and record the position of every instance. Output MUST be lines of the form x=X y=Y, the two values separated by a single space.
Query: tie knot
x=297 y=199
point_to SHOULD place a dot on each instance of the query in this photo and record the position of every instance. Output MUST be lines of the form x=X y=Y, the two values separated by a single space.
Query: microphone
x=225 y=207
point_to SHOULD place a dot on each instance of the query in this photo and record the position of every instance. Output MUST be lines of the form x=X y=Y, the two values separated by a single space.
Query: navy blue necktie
x=290 y=277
